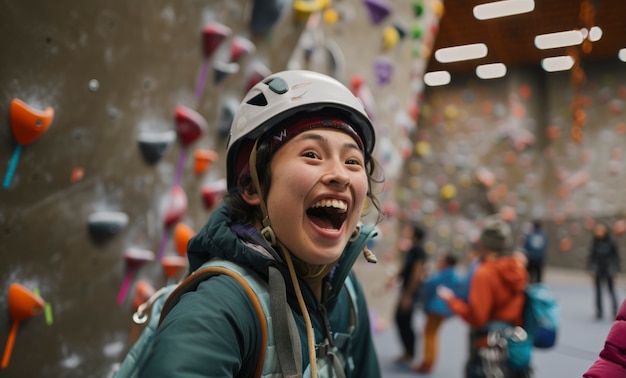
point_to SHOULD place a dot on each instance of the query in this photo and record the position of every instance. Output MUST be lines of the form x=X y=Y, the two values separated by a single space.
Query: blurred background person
x=410 y=276
x=603 y=264
x=435 y=308
x=535 y=248
x=496 y=294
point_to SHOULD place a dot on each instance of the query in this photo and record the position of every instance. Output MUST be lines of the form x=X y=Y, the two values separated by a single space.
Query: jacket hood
x=510 y=273
x=244 y=245
x=218 y=238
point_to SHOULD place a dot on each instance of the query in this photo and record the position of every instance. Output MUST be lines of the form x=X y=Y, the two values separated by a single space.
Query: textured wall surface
x=116 y=71
x=112 y=71
x=504 y=145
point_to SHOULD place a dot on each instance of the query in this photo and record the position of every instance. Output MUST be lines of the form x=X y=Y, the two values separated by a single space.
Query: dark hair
x=418 y=231
x=537 y=225
x=242 y=212
x=450 y=259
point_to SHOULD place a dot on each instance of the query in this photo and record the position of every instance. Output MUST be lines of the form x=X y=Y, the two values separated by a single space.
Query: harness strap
x=337 y=367
x=286 y=335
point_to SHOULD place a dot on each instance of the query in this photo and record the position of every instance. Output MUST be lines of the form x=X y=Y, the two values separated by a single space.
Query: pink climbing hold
x=257 y=72
x=190 y=125
x=177 y=206
x=240 y=48
x=213 y=36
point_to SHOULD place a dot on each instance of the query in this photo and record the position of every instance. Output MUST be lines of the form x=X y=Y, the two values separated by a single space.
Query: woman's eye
x=311 y=155
x=353 y=162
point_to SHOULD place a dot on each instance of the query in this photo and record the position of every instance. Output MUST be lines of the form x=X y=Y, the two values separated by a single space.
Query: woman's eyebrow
x=320 y=138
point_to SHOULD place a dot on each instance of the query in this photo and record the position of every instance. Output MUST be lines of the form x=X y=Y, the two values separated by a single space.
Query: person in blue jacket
x=436 y=308
x=299 y=171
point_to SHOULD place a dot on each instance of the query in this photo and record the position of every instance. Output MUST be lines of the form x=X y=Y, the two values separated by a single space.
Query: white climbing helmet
x=284 y=94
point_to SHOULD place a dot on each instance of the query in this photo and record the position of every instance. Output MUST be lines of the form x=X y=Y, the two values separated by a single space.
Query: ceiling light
x=435 y=78
x=557 y=63
x=559 y=39
x=491 y=71
x=503 y=8
x=595 y=34
x=458 y=53
x=622 y=55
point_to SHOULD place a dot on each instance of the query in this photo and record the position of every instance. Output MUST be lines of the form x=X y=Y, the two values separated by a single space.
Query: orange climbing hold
x=173 y=265
x=23 y=304
x=27 y=123
x=182 y=234
x=143 y=292
x=203 y=160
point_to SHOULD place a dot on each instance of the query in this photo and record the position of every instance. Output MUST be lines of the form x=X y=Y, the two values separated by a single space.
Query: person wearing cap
x=299 y=172
x=496 y=293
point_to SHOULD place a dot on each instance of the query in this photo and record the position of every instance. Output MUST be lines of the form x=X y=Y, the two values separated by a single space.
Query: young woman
x=299 y=171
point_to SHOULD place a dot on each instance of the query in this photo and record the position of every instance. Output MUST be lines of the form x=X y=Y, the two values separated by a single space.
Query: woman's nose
x=338 y=175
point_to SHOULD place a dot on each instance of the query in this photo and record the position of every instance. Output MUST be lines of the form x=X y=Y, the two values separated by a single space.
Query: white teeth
x=337 y=204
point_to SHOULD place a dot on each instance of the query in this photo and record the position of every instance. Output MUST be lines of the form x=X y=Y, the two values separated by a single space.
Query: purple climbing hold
x=378 y=10
x=383 y=69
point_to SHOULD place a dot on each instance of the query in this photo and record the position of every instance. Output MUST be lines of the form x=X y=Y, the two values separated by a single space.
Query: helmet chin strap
x=269 y=234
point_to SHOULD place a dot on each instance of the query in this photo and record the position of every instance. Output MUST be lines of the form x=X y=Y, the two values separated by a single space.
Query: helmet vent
x=278 y=85
x=258 y=100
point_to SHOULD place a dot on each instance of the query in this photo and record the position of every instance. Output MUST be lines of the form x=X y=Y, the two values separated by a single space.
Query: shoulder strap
x=286 y=336
x=354 y=314
x=191 y=283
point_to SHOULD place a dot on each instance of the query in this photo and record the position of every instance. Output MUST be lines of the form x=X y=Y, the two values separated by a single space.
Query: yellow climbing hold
x=390 y=37
x=331 y=16
x=304 y=8
x=422 y=148
x=448 y=192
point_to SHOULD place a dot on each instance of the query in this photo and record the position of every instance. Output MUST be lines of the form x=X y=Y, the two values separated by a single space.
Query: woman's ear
x=250 y=196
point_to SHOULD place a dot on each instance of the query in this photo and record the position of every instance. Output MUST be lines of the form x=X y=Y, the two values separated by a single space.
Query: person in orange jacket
x=496 y=294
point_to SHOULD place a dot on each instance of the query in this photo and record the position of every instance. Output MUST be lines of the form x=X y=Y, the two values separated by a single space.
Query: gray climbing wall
x=114 y=73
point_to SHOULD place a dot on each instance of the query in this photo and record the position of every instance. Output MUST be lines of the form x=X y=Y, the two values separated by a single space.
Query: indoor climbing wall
x=505 y=146
x=115 y=118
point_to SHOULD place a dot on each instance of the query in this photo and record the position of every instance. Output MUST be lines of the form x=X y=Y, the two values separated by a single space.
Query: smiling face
x=319 y=186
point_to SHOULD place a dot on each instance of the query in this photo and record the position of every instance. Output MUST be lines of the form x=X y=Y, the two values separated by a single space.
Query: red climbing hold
x=190 y=125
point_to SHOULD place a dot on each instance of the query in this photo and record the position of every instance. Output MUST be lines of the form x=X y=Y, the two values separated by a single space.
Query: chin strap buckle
x=269 y=235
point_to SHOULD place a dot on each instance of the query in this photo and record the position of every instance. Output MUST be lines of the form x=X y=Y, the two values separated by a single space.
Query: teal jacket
x=213 y=331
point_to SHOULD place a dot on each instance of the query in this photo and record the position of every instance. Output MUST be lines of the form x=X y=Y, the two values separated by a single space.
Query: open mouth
x=328 y=213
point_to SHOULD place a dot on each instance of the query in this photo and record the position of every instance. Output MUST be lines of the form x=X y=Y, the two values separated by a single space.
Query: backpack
x=162 y=302
x=539 y=329
x=282 y=355
x=535 y=246
x=541 y=315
